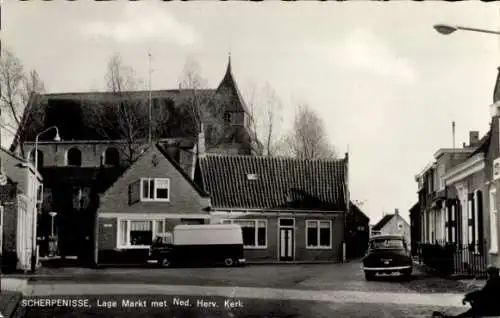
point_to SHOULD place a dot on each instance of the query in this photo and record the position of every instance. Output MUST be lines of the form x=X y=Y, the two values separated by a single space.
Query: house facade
x=451 y=200
x=392 y=224
x=290 y=210
x=88 y=157
x=18 y=213
x=152 y=196
x=467 y=220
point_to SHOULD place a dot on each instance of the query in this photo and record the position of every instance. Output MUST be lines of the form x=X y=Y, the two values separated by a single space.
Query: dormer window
x=252 y=176
x=227 y=117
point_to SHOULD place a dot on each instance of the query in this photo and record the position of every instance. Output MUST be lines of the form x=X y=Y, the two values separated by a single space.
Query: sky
x=386 y=83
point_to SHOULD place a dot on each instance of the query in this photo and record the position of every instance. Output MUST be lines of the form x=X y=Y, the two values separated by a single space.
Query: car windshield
x=167 y=239
x=386 y=243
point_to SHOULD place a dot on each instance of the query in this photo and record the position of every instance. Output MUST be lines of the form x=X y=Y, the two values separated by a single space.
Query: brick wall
x=183 y=197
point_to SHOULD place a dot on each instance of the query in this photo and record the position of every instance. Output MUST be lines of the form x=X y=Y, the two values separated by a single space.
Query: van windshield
x=387 y=243
x=163 y=239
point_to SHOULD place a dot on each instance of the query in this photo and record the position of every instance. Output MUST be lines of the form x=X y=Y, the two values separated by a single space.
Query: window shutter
x=134 y=192
x=480 y=234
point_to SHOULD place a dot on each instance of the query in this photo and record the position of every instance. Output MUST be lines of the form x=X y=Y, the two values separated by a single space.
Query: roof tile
x=284 y=183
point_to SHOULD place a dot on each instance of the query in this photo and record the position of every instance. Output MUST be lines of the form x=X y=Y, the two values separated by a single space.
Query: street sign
x=3 y=179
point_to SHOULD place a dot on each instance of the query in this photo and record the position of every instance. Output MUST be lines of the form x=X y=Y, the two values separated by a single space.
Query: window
x=74 y=157
x=318 y=234
x=227 y=117
x=453 y=224
x=387 y=244
x=493 y=221
x=111 y=157
x=139 y=233
x=155 y=189
x=470 y=223
x=254 y=232
x=441 y=173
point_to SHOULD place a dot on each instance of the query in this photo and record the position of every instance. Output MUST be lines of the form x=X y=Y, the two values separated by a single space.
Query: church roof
x=228 y=83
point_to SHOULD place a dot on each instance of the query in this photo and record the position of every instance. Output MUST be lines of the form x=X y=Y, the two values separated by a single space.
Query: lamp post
x=52 y=247
x=449 y=29
x=35 y=210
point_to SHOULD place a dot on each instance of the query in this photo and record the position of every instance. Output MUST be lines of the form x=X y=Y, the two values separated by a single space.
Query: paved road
x=348 y=276
x=211 y=307
x=320 y=290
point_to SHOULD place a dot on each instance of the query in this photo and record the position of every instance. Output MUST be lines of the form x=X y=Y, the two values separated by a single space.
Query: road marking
x=334 y=296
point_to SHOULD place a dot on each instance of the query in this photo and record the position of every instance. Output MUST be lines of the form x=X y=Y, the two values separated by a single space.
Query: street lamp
x=448 y=29
x=34 y=249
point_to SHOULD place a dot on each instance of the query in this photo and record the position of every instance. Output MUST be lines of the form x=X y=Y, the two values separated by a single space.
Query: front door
x=286 y=239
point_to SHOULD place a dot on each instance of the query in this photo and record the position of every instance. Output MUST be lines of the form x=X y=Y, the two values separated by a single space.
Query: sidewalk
x=469 y=283
x=332 y=296
x=9 y=303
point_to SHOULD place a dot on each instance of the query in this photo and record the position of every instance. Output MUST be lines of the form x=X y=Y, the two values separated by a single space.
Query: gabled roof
x=380 y=224
x=163 y=152
x=67 y=110
x=258 y=182
x=237 y=103
x=357 y=211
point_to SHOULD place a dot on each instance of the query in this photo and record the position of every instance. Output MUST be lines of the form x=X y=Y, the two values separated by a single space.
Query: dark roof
x=496 y=90
x=415 y=208
x=380 y=224
x=237 y=102
x=274 y=182
x=358 y=213
x=68 y=111
x=483 y=146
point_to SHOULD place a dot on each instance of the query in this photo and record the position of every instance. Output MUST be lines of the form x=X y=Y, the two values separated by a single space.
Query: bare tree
x=124 y=114
x=16 y=89
x=200 y=106
x=307 y=138
x=266 y=118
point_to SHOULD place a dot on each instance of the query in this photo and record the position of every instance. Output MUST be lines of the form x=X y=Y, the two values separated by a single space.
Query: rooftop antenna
x=149 y=105
x=453 y=133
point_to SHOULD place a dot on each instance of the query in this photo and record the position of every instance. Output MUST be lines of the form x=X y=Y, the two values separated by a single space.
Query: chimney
x=453 y=133
x=473 y=138
x=396 y=211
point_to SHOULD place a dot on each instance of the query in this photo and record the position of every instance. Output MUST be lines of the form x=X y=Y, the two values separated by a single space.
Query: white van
x=200 y=245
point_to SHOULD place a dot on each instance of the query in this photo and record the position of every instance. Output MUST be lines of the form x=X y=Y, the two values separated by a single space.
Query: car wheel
x=369 y=275
x=228 y=262
x=164 y=262
x=406 y=273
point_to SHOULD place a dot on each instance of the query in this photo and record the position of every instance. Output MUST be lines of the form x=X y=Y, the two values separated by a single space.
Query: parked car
x=199 y=245
x=387 y=254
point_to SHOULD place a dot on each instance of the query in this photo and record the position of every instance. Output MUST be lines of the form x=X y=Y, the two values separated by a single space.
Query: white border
x=155 y=199
x=252 y=247
x=319 y=247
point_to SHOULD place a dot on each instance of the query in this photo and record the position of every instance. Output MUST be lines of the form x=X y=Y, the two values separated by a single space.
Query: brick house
x=459 y=203
x=392 y=224
x=291 y=210
x=88 y=158
x=18 y=212
x=152 y=196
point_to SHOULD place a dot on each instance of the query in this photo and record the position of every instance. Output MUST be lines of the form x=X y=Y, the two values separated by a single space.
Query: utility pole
x=150 y=105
